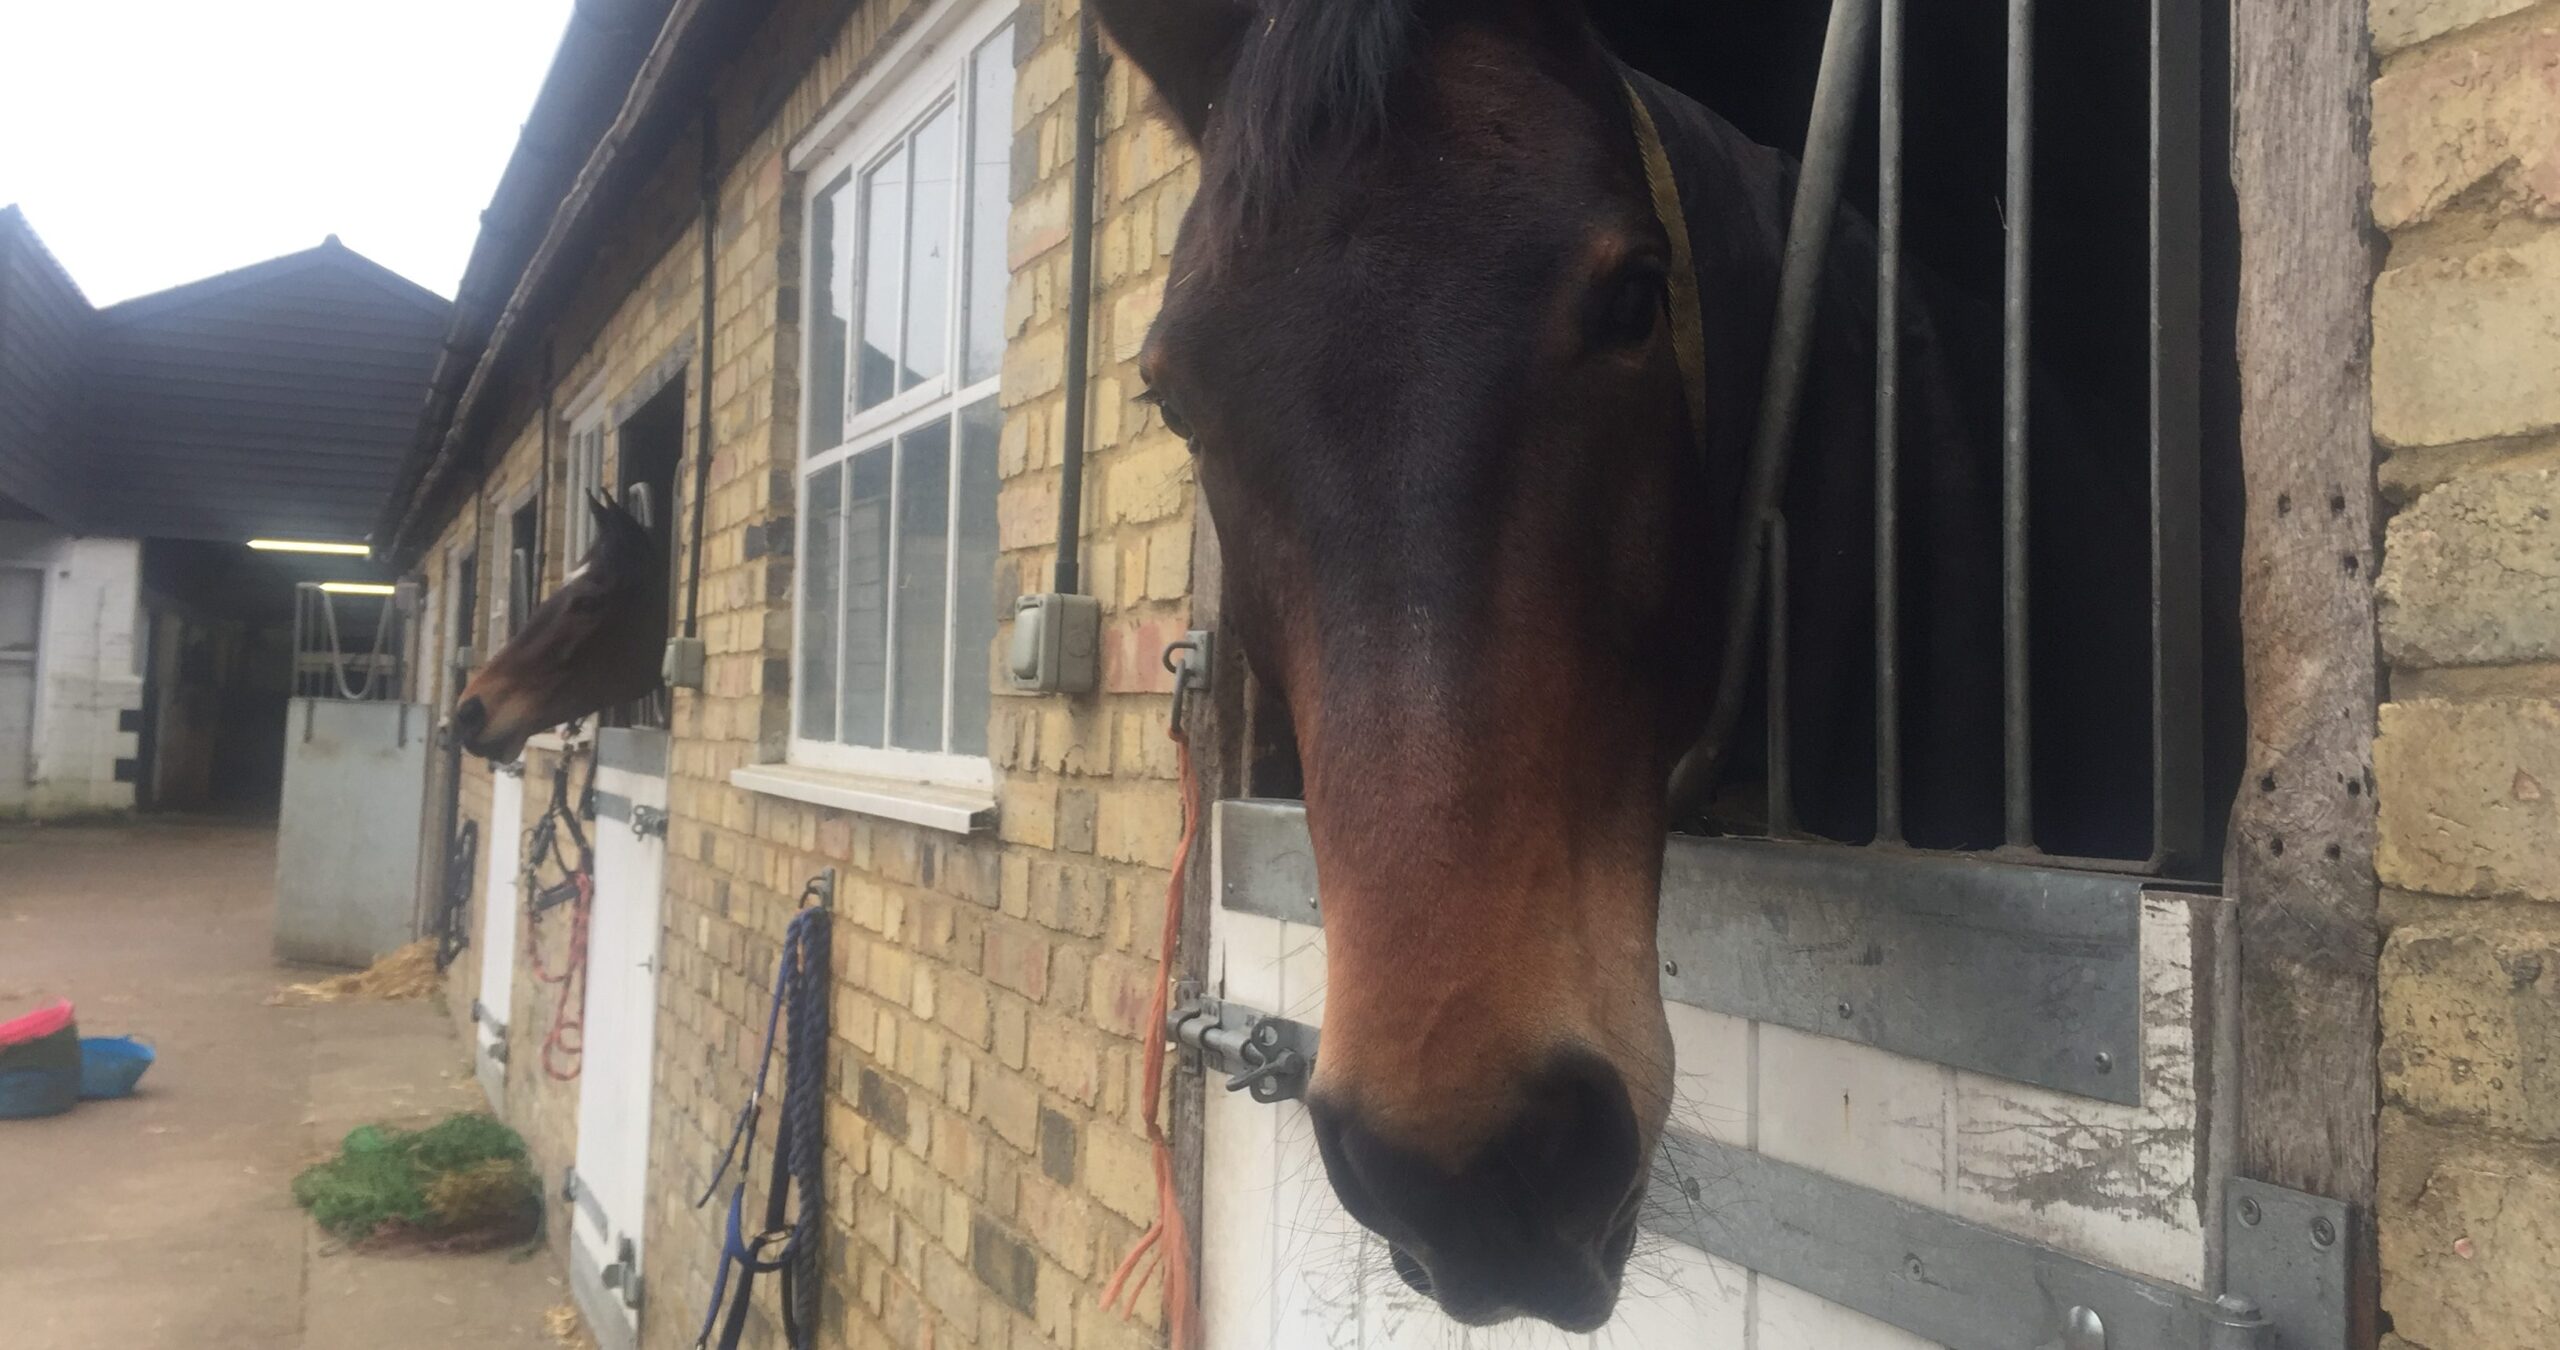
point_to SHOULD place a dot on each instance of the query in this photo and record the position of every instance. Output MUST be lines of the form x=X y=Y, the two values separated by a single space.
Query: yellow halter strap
x=1688 y=330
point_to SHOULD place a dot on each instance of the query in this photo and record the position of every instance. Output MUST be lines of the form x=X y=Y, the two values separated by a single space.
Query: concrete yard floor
x=165 y=1220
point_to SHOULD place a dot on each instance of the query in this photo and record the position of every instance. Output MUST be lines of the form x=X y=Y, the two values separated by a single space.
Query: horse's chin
x=498 y=750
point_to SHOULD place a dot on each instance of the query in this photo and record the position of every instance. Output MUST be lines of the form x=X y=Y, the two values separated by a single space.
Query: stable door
x=500 y=919
x=1919 y=1103
x=606 y=1260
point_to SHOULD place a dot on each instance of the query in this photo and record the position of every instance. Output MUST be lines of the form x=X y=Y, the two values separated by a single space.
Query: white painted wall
x=87 y=673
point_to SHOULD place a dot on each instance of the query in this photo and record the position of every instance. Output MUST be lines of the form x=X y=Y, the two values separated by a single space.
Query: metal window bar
x=1888 y=547
x=2017 y=726
x=324 y=667
x=2175 y=611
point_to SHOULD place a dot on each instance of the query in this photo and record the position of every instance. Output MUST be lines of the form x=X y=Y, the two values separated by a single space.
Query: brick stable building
x=994 y=961
x=676 y=263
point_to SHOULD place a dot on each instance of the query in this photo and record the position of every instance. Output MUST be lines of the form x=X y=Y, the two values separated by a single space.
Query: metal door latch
x=648 y=822
x=623 y=1275
x=1270 y=1057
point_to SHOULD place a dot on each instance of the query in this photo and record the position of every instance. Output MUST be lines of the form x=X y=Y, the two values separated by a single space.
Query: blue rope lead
x=790 y=1249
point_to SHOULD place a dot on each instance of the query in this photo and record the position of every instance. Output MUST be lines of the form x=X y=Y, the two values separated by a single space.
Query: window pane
x=973 y=564
x=831 y=252
x=924 y=529
x=937 y=166
x=866 y=598
x=820 y=550
x=884 y=201
x=990 y=186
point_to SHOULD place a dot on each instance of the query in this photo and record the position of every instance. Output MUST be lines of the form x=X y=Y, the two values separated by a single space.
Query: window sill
x=952 y=810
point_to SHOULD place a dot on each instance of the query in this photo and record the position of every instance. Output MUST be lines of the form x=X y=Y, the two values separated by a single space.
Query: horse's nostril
x=1536 y=1222
x=1573 y=1151
x=470 y=718
x=1413 y=1272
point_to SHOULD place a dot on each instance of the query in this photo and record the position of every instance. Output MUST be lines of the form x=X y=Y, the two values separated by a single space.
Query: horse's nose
x=470 y=718
x=1538 y=1223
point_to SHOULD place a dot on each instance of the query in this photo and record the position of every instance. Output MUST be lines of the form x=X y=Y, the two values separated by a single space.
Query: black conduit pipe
x=702 y=396
x=542 y=480
x=1079 y=302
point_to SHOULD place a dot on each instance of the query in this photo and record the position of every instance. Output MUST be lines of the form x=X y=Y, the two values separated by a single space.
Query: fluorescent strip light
x=358 y=588
x=309 y=546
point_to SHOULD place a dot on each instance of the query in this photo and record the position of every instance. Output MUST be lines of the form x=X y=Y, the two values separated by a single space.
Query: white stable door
x=1286 y=1269
x=501 y=923
x=621 y=1026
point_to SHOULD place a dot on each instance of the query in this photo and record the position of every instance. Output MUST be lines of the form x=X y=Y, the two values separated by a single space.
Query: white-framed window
x=896 y=612
x=513 y=587
x=583 y=472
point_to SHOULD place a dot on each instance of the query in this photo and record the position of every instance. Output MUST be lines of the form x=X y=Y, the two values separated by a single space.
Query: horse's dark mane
x=1312 y=73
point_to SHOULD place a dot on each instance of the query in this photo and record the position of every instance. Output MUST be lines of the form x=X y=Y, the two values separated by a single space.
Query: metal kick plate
x=2287 y=1251
x=640 y=750
x=2026 y=973
x=1958 y=1284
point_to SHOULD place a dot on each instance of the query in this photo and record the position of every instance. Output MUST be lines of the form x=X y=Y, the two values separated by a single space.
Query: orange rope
x=1168 y=1240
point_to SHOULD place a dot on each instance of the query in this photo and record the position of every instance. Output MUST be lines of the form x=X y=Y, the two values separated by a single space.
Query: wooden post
x=2300 y=855
x=1217 y=727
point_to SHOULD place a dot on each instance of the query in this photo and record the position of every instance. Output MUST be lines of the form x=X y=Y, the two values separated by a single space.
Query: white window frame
x=584 y=469
x=927 y=70
x=503 y=567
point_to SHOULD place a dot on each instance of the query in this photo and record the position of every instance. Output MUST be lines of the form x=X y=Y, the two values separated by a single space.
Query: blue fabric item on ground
x=111 y=1066
x=41 y=1077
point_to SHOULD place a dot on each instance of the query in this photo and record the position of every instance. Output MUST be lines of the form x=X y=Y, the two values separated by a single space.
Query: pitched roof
x=327 y=253
x=44 y=322
x=274 y=399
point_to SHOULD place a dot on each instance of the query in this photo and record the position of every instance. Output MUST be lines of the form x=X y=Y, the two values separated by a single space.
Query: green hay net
x=463 y=1182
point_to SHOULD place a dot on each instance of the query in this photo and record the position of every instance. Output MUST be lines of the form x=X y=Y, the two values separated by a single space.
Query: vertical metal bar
x=2177 y=572
x=1781 y=786
x=1888 y=546
x=2017 y=728
x=1817 y=197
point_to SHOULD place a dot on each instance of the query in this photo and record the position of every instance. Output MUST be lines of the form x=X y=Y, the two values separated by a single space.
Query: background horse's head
x=1416 y=333
x=595 y=643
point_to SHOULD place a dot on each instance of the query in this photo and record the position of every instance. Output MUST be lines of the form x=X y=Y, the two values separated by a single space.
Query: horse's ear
x=1186 y=49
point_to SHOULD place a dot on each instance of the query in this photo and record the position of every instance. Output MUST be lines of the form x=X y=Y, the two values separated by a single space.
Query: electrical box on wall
x=682 y=668
x=1057 y=643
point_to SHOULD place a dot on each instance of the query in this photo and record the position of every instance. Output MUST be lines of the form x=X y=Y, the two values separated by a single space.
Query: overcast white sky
x=152 y=142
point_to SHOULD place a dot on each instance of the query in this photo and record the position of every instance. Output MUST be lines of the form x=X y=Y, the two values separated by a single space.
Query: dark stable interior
x=651 y=444
x=1755 y=63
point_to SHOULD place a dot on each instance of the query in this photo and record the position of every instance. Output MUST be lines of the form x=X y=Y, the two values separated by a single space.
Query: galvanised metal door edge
x=2024 y=972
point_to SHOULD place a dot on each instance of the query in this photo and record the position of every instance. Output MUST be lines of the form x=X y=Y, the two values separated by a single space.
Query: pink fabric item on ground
x=36 y=1025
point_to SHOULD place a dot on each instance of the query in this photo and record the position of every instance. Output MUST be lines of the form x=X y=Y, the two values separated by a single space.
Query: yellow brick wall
x=2466 y=182
x=987 y=1163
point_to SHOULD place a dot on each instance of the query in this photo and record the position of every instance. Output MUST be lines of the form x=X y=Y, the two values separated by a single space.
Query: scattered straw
x=409 y=972
x=565 y=1328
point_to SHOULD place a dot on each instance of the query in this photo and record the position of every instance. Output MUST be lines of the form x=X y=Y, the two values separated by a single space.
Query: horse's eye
x=1166 y=408
x=1625 y=309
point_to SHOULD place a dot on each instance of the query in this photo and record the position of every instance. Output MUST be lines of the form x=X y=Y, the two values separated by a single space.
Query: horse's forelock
x=1313 y=73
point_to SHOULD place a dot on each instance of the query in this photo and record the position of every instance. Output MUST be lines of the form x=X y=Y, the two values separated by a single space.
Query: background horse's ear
x=1186 y=48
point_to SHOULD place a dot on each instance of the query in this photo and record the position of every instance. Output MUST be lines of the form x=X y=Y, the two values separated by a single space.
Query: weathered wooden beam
x=2300 y=854
x=1220 y=748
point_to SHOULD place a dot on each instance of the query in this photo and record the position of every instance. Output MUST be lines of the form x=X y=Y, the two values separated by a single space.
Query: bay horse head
x=594 y=644
x=1416 y=330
